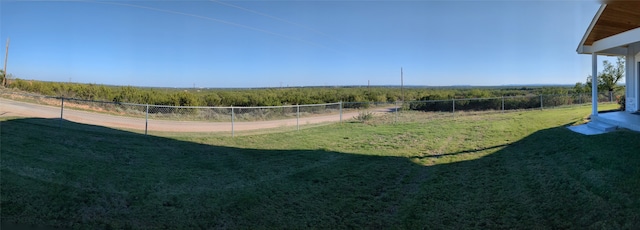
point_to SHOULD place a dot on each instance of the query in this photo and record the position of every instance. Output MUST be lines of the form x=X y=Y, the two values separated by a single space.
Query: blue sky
x=297 y=43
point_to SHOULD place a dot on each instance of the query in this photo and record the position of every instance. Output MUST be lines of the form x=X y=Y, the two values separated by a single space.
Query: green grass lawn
x=521 y=170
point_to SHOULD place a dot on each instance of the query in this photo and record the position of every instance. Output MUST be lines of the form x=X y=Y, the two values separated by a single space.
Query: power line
x=215 y=20
x=402 y=84
x=276 y=18
x=6 y=74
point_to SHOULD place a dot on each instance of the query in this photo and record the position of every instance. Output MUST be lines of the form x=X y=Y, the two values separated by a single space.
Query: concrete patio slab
x=585 y=129
x=621 y=119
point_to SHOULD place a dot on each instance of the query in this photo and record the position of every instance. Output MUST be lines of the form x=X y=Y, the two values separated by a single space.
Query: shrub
x=364 y=116
x=622 y=102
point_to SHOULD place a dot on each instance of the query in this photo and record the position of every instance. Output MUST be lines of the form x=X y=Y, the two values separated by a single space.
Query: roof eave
x=581 y=49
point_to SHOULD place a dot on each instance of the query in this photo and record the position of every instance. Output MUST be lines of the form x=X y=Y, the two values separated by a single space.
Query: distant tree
x=580 y=88
x=609 y=77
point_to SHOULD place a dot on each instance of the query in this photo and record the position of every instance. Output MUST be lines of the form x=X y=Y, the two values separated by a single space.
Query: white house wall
x=632 y=77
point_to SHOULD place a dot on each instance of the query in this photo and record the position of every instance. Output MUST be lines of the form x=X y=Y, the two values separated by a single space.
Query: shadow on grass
x=460 y=152
x=82 y=176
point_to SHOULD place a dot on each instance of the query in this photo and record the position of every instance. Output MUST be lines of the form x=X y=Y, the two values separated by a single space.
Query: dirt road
x=23 y=109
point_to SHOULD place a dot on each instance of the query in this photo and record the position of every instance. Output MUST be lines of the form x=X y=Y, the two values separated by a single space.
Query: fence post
x=454 y=107
x=541 y=102
x=62 y=109
x=340 y=111
x=396 y=112
x=232 y=121
x=298 y=117
x=146 y=121
x=610 y=96
x=61 y=113
x=580 y=98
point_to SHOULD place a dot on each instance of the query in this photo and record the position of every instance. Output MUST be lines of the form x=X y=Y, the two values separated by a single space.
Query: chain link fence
x=402 y=112
x=161 y=118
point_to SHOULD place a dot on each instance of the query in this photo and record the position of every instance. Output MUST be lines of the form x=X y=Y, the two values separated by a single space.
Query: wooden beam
x=617 y=40
x=616 y=51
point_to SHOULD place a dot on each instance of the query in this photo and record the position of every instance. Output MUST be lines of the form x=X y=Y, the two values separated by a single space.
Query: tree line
x=272 y=96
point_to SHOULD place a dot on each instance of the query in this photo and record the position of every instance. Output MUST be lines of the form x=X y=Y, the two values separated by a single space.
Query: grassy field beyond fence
x=518 y=170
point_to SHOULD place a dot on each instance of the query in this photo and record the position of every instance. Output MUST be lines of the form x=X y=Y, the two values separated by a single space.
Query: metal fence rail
x=233 y=118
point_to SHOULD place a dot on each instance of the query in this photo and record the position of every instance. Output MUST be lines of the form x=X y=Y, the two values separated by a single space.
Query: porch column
x=594 y=84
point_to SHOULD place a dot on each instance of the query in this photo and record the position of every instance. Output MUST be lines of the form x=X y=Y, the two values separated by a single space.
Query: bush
x=364 y=116
x=622 y=102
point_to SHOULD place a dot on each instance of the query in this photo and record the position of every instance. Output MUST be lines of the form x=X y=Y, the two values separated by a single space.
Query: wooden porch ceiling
x=617 y=17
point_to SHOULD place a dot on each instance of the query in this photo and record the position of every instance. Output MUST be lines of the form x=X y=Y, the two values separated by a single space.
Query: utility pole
x=6 y=74
x=402 y=85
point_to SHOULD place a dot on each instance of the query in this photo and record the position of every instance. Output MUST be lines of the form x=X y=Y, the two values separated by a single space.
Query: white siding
x=632 y=78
